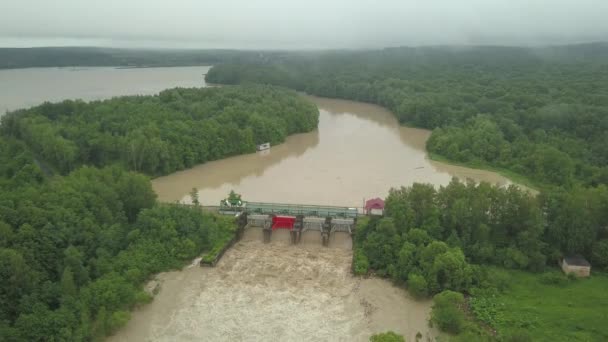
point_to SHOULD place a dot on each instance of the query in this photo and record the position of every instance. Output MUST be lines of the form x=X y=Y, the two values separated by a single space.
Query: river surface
x=358 y=152
x=277 y=292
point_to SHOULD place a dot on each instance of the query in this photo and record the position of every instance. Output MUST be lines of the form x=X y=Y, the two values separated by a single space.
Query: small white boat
x=263 y=147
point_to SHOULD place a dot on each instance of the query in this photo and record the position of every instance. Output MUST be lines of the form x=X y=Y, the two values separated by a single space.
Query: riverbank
x=358 y=151
x=518 y=179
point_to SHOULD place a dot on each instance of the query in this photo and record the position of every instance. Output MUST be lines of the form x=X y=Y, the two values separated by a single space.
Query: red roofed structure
x=283 y=222
x=374 y=206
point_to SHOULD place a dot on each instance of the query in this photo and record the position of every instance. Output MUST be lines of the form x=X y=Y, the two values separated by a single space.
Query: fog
x=299 y=23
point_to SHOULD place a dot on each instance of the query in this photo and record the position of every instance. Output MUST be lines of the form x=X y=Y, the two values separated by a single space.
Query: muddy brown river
x=358 y=152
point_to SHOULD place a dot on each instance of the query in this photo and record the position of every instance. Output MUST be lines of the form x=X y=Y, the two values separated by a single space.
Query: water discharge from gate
x=277 y=292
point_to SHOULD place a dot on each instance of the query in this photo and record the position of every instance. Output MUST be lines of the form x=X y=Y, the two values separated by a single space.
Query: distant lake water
x=21 y=88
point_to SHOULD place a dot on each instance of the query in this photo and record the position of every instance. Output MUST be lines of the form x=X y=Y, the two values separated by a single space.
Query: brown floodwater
x=359 y=151
x=277 y=292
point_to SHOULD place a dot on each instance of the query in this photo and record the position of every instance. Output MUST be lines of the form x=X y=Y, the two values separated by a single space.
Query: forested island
x=540 y=115
x=80 y=232
x=160 y=134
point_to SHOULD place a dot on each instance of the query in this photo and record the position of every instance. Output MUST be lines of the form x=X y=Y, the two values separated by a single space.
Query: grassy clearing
x=563 y=310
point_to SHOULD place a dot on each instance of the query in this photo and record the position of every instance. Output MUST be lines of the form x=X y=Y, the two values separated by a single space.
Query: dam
x=296 y=218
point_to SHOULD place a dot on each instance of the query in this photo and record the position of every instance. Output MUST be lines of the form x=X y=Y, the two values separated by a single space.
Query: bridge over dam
x=296 y=218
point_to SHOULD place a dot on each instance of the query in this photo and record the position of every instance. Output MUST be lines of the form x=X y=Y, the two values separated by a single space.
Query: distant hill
x=12 y=58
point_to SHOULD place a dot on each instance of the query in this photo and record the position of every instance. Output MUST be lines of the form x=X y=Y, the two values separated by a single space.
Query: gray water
x=20 y=88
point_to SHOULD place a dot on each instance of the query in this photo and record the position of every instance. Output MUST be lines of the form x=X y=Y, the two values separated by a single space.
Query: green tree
x=417 y=286
x=381 y=246
x=447 y=311
x=18 y=279
x=68 y=286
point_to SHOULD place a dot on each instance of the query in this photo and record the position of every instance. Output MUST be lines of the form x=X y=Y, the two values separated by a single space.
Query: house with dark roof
x=577 y=265
x=374 y=206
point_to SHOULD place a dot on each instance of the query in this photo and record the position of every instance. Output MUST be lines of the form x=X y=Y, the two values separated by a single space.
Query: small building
x=374 y=206
x=263 y=147
x=576 y=264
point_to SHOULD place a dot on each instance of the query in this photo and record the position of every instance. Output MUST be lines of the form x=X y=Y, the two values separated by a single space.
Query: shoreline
x=515 y=178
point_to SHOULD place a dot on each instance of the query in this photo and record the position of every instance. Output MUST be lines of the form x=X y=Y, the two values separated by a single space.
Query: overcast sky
x=299 y=23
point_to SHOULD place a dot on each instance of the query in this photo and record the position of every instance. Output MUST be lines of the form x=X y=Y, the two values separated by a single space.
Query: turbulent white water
x=276 y=292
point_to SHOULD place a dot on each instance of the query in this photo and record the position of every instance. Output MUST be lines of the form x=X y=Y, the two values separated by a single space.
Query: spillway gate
x=297 y=219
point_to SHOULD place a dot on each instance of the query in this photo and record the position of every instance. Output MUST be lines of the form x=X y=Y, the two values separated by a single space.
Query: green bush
x=117 y=320
x=417 y=286
x=387 y=337
x=553 y=278
x=143 y=297
x=360 y=263
x=447 y=312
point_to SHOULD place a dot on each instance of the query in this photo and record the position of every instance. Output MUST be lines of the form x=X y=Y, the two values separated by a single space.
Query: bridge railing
x=300 y=209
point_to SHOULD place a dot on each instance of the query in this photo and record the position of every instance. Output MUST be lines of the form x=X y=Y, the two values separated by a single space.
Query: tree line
x=40 y=57
x=431 y=237
x=160 y=134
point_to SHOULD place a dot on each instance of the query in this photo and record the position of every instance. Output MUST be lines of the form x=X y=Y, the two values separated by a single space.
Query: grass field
x=561 y=310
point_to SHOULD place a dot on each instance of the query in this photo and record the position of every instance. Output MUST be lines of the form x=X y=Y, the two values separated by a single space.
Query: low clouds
x=300 y=23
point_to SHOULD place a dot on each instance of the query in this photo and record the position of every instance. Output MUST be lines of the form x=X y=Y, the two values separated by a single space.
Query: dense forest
x=75 y=250
x=12 y=58
x=81 y=231
x=433 y=234
x=159 y=134
x=525 y=110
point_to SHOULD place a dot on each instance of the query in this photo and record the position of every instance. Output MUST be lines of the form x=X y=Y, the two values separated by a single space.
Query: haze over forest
x=311 y=24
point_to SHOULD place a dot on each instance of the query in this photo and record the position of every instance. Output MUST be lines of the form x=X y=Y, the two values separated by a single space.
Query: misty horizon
x=315 y=24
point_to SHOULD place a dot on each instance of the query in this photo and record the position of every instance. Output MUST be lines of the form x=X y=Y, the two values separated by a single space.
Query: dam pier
x=295 y=218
